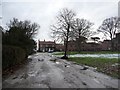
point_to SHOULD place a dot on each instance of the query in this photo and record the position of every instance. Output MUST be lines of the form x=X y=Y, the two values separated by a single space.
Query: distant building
x=91 y=46
x=106 y=45
x=72 y=45
x=45 y=46
x=59 y=47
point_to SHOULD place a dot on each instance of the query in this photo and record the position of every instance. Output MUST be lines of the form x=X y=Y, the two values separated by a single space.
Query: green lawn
x=89 y=52
x=103 y=64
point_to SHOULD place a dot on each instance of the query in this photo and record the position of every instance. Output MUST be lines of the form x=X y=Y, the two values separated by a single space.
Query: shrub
x=12 y=55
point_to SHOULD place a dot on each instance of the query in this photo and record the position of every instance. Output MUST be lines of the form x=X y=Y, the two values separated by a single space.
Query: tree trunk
x=66 y=45
x=65 y=50
x=79 y=45
x=79 y=42
x=112 y=45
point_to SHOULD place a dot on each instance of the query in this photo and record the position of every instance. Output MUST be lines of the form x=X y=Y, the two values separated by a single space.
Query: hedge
x=12 y=55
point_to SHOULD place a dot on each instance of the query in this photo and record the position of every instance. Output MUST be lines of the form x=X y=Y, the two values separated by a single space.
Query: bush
x=12 y=55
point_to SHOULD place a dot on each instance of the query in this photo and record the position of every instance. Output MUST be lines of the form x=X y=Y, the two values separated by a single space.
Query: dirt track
x=47 y=71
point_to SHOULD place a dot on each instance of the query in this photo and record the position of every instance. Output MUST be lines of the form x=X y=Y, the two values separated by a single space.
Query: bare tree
x=109 y=28
x=62 y=28
x=30 y=29
x=81 y=31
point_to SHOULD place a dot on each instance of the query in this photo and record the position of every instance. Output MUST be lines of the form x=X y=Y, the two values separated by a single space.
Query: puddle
x=94 y=55
x=96 y=80
x=57 y=62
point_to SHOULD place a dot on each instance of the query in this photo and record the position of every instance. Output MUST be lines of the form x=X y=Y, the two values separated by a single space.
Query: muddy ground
x=47 y=71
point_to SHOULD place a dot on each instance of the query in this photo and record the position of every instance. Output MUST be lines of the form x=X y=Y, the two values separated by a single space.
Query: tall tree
x=62 y=28
x=81 y=31
x=21 y=33
x=26 y=27
x=109 y=28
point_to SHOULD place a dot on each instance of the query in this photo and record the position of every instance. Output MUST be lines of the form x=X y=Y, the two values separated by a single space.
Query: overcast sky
x=44 y=12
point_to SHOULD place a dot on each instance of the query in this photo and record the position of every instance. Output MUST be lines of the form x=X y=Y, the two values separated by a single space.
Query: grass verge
x=89 y=52
x=104 y=65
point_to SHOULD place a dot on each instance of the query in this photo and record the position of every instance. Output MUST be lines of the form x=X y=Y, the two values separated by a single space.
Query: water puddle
x=96 y=80
x=57 y=62
x=94 y=55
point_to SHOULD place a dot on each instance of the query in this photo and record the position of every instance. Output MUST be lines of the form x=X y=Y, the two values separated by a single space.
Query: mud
x=46 y=71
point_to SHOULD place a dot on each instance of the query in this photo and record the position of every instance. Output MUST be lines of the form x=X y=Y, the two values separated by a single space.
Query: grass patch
x=103 y=64
x=89 y=52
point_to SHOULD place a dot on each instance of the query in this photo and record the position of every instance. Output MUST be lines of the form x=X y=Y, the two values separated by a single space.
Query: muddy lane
x=47 y=71
x=38 y=73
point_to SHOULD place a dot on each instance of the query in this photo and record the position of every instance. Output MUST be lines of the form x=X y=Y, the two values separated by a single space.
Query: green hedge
x=12 y=55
